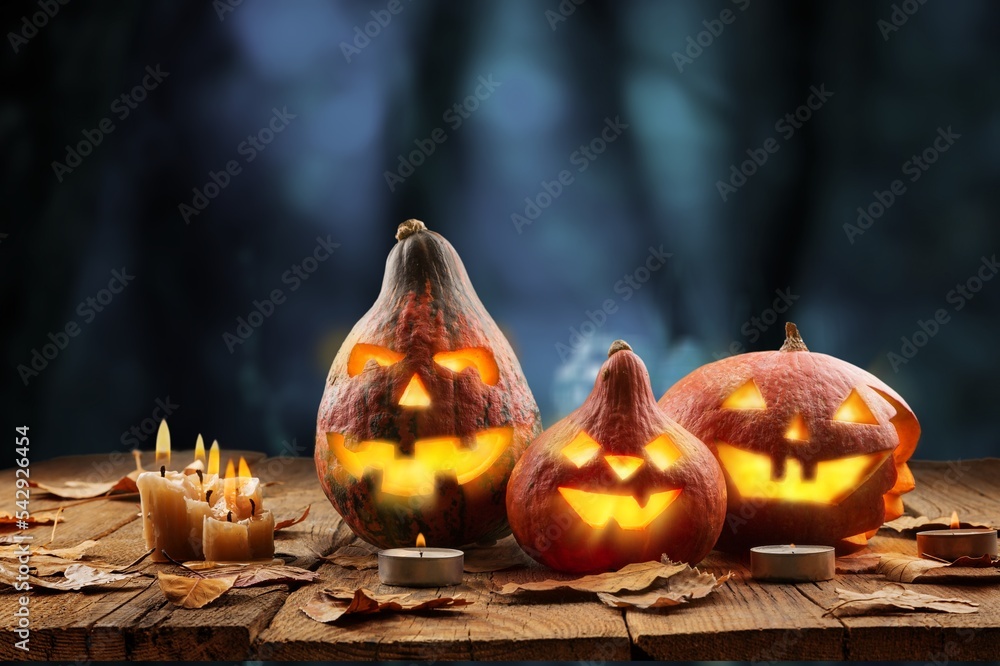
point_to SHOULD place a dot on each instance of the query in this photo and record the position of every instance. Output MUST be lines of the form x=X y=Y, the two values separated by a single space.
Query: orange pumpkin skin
x=621 y=418
x=427 y=306
x=793 y=383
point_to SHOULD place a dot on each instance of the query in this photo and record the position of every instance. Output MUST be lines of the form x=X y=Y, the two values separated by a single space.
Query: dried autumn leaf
x=88 y=489
x=75 y=577
x=682 y=587
x=268 y=574
x=911 y=524
x=631 y=577
x=9 y=521
x=505 y=554
x=193 y=592
x=354 y=557
x=74 y=553
x=895 y=599
x=331 y=605
x=909 y=569
x=288 y=522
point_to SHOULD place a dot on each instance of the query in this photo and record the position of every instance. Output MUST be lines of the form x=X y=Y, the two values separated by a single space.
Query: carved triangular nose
x=415 y=395
x=624 y=466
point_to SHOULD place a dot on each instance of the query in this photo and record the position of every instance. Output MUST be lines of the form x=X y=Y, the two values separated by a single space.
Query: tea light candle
x=792 y=563
x=421 y=566
x=955 y=543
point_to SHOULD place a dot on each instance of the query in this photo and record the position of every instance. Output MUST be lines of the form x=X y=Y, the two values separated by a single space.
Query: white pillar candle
x=165 y=524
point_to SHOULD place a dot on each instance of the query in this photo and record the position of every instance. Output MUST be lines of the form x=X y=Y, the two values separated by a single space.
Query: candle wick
x=253 y=508
x=229 y=516
x=163 y=470
x=208 y=495
x=421 y=553
x=201 y=479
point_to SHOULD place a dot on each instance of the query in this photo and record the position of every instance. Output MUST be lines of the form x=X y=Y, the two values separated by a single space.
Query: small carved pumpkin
x=814 y=449
x=616 y=481
x=426 y=409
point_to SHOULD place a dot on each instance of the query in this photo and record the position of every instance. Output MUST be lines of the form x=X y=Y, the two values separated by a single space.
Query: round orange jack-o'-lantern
x=426 y=409
x=616 y=481
x=814 y=449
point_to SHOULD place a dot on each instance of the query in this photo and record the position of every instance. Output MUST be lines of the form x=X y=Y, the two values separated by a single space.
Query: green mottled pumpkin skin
x=427 y=305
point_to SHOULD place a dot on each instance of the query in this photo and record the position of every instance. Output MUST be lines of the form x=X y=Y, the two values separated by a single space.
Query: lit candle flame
x=955 y=522
x=199 y=449
x=213 y=458
x=163 y=445
x=229 y=484
x=421 y=541
x=792 y=546
x=244 y=469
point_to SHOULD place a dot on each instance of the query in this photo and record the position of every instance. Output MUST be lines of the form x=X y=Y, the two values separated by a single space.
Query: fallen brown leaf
x=74 y=553
x=912 y=524
x=857 y=564
x=631 y=577
x=896 y=599
x=88 y=489
x=330 y=606
x=684 y=586
x=354 y=557
x=8 y=521
x=191 y=591
x=75 y=577
x=908 y=569
x=505 y=554
x=288 y=522
x=269 y=574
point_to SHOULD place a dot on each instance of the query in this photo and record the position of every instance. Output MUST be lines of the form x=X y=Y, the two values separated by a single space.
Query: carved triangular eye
x=662 y=452
x=581 y=449
x=854 y=410
x=361 y=353
x=476 y=357
x=746 y=396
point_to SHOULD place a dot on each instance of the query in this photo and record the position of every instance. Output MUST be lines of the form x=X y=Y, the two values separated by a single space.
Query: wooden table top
x=742 y=620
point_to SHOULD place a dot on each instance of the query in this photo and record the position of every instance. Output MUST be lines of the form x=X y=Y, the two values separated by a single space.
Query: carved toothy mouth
x=596 y=509
x=835 y=480
x=415 y=475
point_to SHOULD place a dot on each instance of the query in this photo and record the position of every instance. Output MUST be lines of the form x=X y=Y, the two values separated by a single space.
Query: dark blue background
x=686 y=114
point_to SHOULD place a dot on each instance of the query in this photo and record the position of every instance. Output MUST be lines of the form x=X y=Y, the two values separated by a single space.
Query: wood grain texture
x=742 y=620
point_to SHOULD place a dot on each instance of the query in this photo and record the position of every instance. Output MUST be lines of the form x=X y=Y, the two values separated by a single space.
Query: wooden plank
x=494 y=627
x=967 y=486
x=132 y=620
x=743 y=620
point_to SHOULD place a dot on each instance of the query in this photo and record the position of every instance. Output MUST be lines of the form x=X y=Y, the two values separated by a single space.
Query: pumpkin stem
x=617 y=346
x=408 y=228
x=793 y=340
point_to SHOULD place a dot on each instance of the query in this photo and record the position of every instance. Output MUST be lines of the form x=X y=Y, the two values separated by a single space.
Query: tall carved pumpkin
x=616 y=481
x=814 y=449
x=426 y=409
